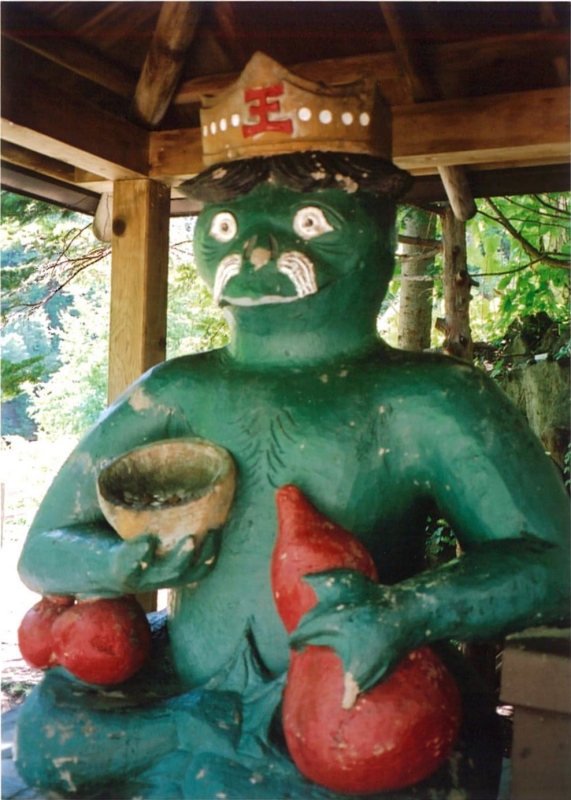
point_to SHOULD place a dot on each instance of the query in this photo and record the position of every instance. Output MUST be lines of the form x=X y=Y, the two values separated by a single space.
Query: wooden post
x=457 y=286
x=458 y=192
x=139 y=272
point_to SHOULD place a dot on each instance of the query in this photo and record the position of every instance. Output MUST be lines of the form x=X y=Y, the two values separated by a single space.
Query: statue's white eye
x=310 y=222
x=223 y=227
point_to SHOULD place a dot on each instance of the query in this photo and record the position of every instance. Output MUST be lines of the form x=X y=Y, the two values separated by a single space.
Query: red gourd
x=35 y=636
x=393 y=736
x=102 y=641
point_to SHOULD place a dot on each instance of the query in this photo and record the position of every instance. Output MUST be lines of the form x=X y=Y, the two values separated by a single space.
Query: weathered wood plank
x=21 y=181
x=496 y=130
x=500 y=130
x=139 y=270
x=22 y=27
x=446 y=60
x=384 y=67
x=164 y=62
x=419 y=79
x=22 y=157
x=496 y=51
x=175 y=156
x=77 y=134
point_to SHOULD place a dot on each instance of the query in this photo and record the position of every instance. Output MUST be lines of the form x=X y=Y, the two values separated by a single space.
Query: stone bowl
x=171 y=488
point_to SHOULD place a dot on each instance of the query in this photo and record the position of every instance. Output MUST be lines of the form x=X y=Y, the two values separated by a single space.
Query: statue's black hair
x=303 y=172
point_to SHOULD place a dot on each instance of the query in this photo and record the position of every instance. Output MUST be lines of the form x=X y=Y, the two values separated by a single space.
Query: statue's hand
x=138 y=567
x=355 y=617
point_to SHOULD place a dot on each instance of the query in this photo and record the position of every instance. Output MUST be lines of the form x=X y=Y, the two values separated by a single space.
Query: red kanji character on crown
x=262 y=108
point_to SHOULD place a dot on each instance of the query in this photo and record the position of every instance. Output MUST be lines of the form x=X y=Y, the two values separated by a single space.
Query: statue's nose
x=257 y=254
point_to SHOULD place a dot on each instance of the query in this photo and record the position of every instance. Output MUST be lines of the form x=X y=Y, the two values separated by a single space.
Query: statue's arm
x=70 y=548
x=508 y=506
x=506 y=502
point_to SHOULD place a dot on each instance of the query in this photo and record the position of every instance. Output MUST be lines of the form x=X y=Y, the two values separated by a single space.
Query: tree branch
x=558 y=215
x=528 y=248
x=506 y=272
x=416 y=241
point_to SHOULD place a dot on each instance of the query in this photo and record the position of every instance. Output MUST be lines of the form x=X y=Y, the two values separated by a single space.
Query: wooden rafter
x=38 y=162
x=78 y=134
x=493 y=131
x=462 y=56
x=488 y=130
x=21 y=27
x=161 y=71
x=30 y=184
x=497 y=128
x=422 y=87
x=225 y=15
x=383 y=67
x=420 y=84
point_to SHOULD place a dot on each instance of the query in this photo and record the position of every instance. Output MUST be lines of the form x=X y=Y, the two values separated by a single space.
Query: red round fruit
x=393 y=736
x=103 y=641
x=308 y=542
x=35 y=636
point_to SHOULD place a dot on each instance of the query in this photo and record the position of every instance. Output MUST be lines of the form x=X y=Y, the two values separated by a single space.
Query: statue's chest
x=320 y=432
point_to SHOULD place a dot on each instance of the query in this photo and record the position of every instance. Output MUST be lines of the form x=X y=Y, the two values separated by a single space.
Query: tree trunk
x=457 y=285
x=415 y=312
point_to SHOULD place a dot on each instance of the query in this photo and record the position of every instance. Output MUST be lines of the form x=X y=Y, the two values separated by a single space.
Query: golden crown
x=270 y=111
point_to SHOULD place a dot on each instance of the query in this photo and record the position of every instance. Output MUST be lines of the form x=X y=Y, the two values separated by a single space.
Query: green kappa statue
x=296 y=242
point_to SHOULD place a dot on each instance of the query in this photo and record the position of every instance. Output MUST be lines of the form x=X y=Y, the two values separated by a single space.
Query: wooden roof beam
x=164 y=62
x=381 y=66
x=420 y=83
x=36 y=162
x=69 y=130
x=451 y=57
x=422 y=86
x=560 y=61
x=58 y=46
x=495 y=131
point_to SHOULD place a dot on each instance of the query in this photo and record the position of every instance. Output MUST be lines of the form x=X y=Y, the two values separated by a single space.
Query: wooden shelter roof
x=94 y=92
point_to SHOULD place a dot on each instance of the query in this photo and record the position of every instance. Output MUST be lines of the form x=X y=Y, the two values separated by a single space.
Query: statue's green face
x=275 y=245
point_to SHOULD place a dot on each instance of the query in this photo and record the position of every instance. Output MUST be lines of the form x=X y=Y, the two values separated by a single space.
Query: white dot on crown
x=304 y=114
x=346 y=118
x=223 y=124
x=235 y=120
x=325 y=116
x=212 y=127
x=364 y=119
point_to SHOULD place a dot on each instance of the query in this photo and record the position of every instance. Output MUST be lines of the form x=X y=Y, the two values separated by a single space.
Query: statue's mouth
x=253 y=288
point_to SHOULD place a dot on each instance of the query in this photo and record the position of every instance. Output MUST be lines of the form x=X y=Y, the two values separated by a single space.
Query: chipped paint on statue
x=296 y=242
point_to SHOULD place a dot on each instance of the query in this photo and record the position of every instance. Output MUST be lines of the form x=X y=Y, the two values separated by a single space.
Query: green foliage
x=194 y=323
x=45 y=250
x=441 y=542
x=518 y=251
x=74 y=396
x=14 y=376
